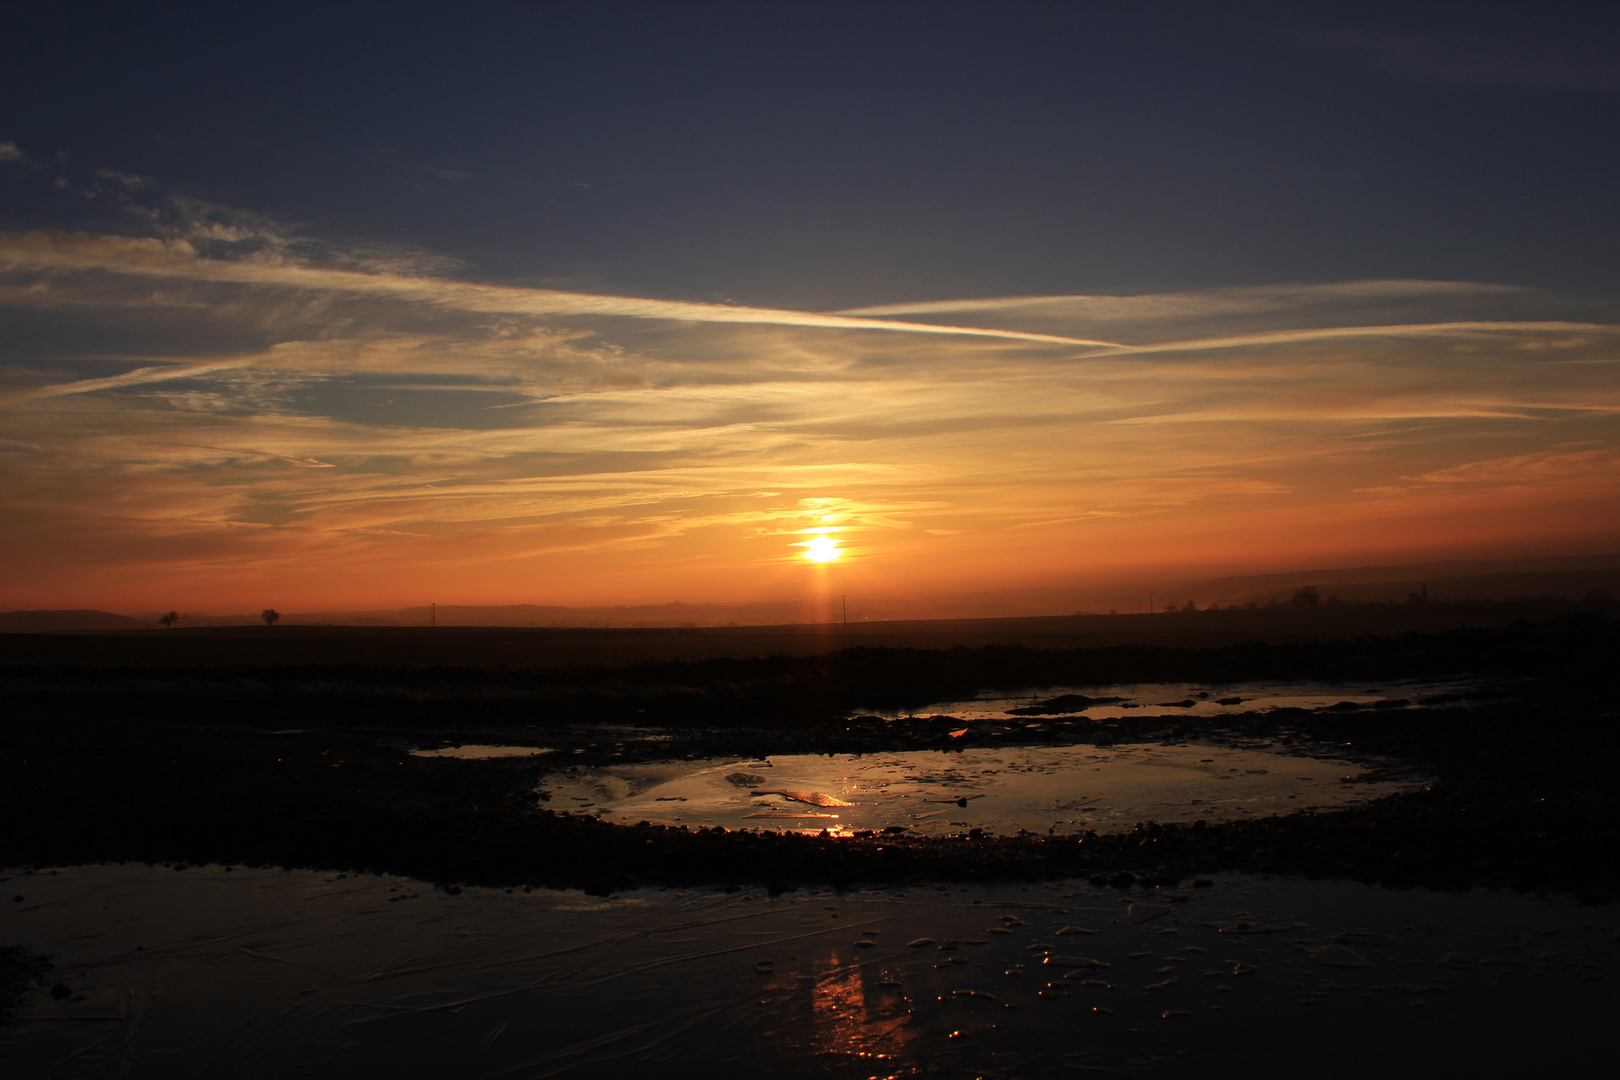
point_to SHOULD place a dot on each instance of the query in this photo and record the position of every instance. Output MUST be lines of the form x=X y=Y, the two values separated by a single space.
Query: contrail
x=128 y=378
x=1289 y=337
x=177 y=259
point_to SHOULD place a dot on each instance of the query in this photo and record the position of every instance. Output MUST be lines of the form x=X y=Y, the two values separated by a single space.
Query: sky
x=338 y=306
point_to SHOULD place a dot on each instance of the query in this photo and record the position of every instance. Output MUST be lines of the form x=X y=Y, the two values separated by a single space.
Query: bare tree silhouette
x=270 y=616
x=170 y=619
x=1309 y=596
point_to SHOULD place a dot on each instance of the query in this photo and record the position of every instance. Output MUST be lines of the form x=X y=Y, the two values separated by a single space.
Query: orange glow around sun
x=823 y=549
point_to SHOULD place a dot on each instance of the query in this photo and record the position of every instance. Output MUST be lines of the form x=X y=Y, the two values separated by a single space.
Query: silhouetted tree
x=270 y=616
x=1309 y=596
x=1189 y=606
x=170 y=619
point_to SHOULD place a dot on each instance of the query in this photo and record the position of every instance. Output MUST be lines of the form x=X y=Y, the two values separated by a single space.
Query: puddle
x=1044 y=789
x=272 y=973
x=474 y=752
x=1197 y=699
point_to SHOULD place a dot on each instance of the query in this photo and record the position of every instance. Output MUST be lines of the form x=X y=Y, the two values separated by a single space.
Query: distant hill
x=1568 y=578
x=57 y=622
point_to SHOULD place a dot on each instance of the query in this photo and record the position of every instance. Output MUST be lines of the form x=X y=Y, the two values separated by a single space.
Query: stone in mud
x=1074 y=930
x=920 y=942
x=1245 y=927
x=1367 y=937
x=1074 y=962
x=1339 y=956
x=772 y=815
x=814 y=798
x=1141 y=913
x=1064 y=703
x=743 y=779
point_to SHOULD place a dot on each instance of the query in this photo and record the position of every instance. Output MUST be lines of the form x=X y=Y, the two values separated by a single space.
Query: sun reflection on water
x=854 y=1018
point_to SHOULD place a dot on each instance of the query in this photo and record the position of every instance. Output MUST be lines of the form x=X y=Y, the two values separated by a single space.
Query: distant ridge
x=1586 y=578
x=57 y=622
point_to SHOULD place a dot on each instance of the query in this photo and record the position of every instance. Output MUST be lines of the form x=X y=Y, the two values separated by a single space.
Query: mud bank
x=1523 y=795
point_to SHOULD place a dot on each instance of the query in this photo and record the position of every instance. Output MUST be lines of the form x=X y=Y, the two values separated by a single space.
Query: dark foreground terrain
x=173 y=749
x=1170 y=949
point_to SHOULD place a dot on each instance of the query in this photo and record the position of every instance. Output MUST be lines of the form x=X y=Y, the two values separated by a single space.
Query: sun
x=822 y=549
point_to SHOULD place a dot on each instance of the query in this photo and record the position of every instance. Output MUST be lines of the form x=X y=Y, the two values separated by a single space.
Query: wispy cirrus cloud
x=228 y=400
x=180 y=259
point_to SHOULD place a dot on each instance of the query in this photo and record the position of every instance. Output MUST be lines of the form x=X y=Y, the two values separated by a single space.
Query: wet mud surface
x=1518 y=758
x=268 y=973
x=1450 y=897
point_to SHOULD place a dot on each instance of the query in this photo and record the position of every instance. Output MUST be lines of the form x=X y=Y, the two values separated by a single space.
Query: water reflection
x=269 y=973
x=1044 y=789
x=1202 y=700
x=852 y=1018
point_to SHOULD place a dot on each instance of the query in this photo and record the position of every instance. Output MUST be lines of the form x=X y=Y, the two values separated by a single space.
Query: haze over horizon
x=630 y=304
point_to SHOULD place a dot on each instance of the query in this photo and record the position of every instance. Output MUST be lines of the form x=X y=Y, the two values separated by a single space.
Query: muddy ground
x=305 y=764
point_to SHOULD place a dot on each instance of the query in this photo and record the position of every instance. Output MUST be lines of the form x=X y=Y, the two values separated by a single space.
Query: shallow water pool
x=1044 y=789
x=1204 y=700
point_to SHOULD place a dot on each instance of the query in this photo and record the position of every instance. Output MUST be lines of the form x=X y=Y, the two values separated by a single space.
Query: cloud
x=284 y=414
x=12 y=154
x=1530 y=469
x=181 y=259
x=127 y=181
x=1167 y=317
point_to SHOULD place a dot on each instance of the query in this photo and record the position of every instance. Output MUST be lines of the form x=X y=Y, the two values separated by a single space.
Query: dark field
x=286 y=746
x=234 y=752
x=482 y=647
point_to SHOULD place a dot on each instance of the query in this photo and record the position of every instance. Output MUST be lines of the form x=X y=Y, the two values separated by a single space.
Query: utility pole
x=845 y=601
x=433 y=614
x=1150 y=603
